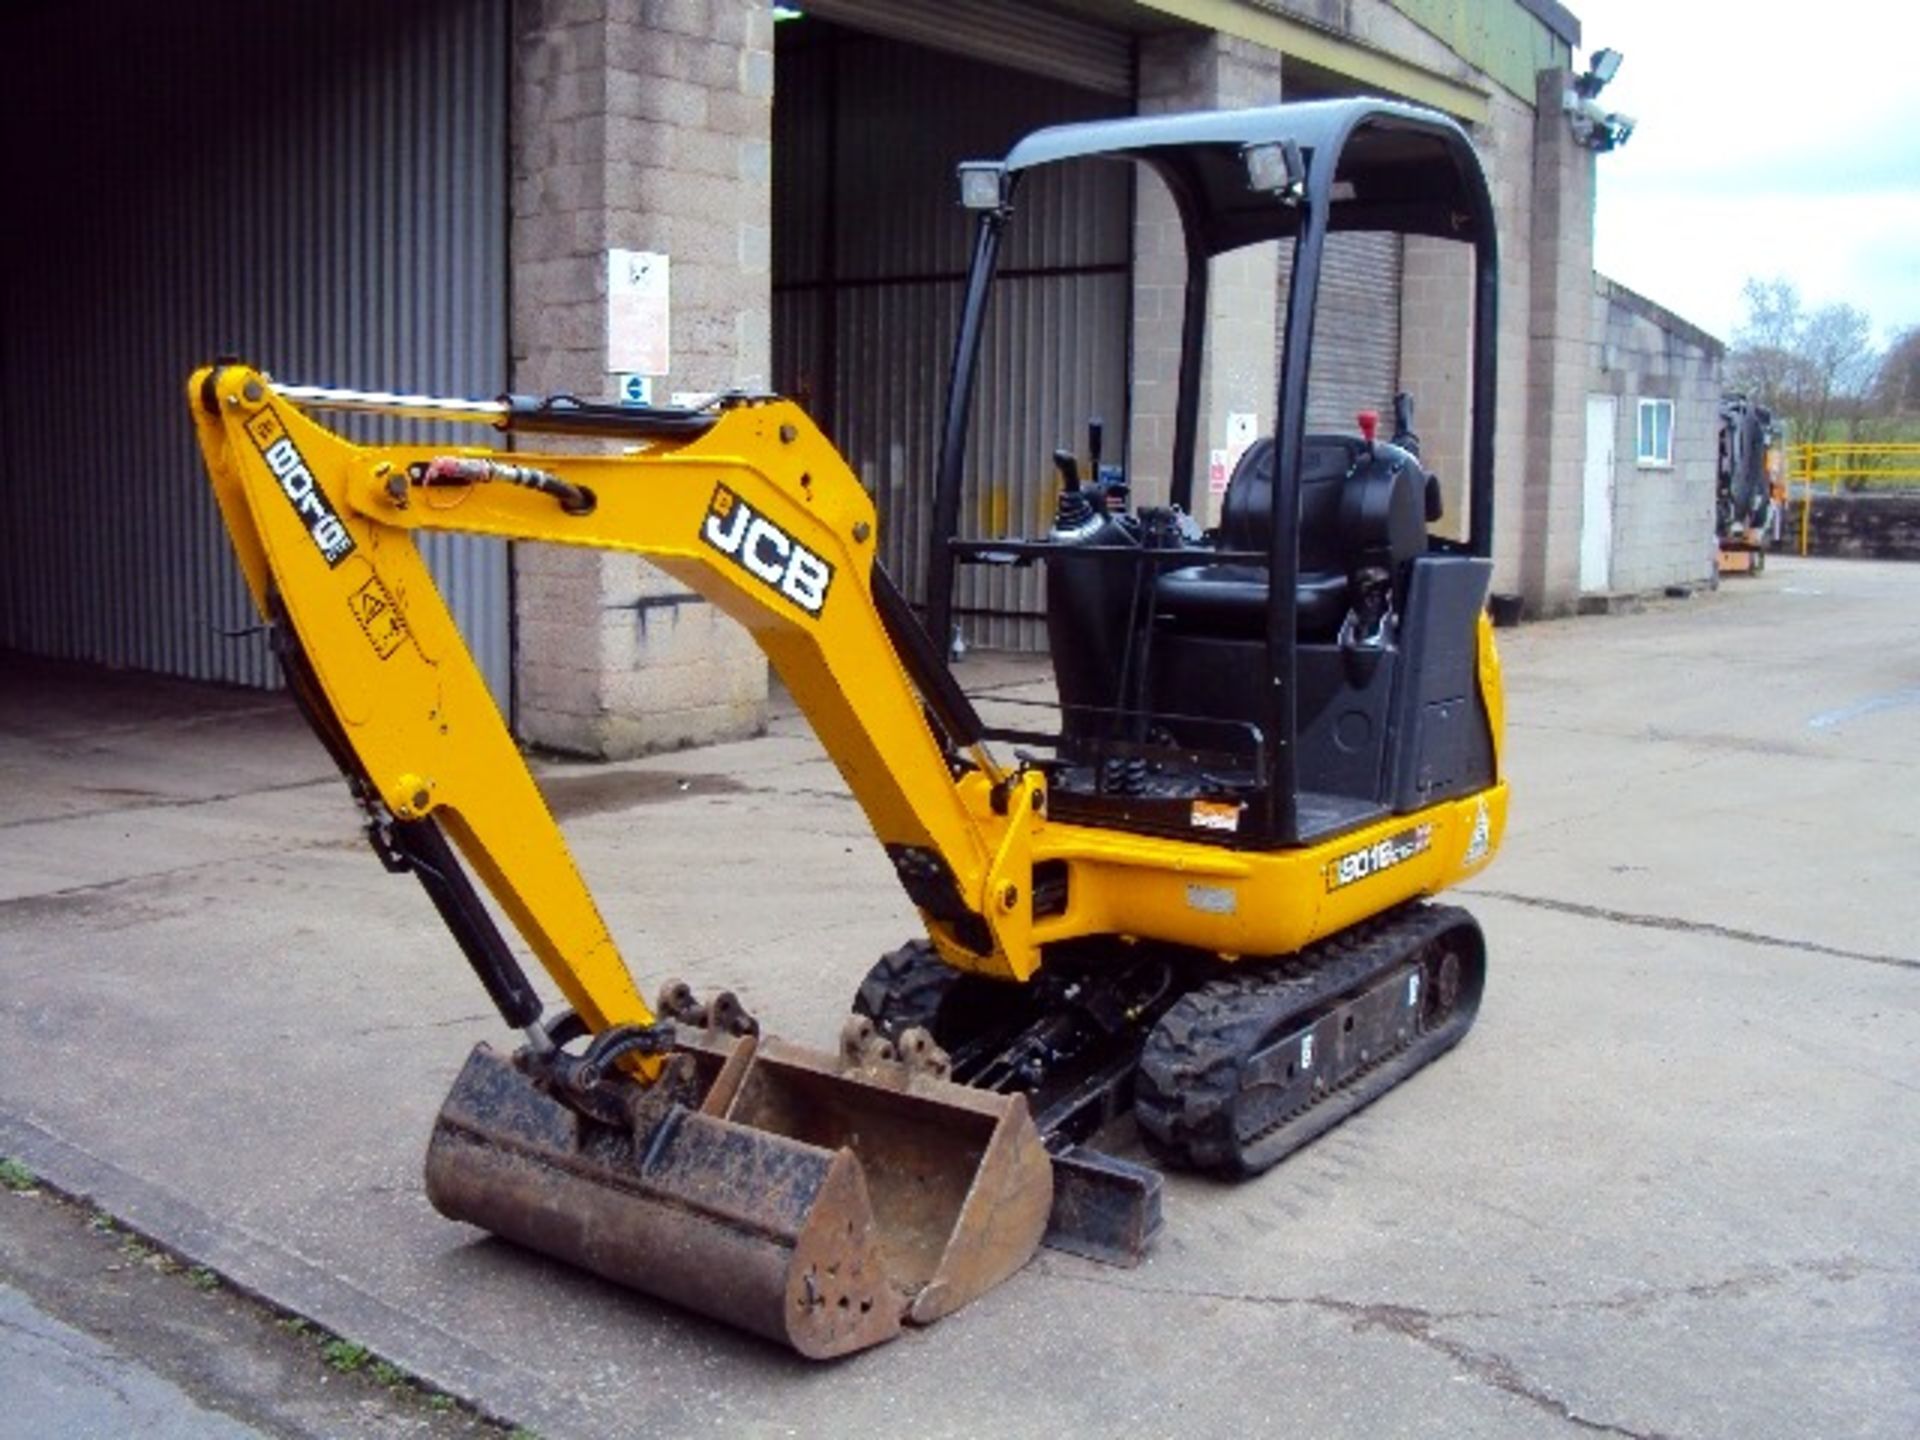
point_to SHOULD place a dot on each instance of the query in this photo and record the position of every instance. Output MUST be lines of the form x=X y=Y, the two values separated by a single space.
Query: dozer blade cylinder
x=815 y=1204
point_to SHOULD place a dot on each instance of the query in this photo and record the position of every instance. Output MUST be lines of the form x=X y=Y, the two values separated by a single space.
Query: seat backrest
x=1246 y=510
x=1346 y=520
x=1383 y=516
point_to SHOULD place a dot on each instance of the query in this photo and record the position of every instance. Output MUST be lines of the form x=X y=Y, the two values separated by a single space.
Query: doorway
x=1596 y=504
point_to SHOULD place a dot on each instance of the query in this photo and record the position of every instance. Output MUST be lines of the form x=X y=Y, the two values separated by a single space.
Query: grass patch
x=346 y=1356
x=17 y=1177
x=203 y=1279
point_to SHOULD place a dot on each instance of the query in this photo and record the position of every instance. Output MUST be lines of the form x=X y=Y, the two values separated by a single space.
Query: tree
x=1896 y=389
x=1812 y=367
x=1837 y=344
x=1761 y=362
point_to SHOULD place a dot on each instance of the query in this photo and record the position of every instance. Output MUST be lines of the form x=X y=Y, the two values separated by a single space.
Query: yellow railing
x=1892 y=464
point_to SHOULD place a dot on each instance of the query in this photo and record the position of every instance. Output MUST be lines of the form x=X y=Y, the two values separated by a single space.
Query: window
x=1655 y=447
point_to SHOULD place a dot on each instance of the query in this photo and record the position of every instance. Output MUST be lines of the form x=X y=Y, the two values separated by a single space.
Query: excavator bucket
x=818 y=1200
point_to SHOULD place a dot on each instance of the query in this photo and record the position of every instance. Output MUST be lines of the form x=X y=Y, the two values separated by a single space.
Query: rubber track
x=904 y=988
x=1189 y=1078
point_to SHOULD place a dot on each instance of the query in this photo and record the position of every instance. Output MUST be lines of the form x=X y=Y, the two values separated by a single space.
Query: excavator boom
x=816 y=1199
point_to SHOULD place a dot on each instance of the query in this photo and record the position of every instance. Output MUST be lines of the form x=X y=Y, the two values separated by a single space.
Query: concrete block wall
x=1871 y=525
x=1542 y=186
x=1506 y=143
x=642 y=126
x=1559 y=316
x=1193 y=70
x=1436 y=362
x=1436 y=336
x=1536 y=488
x=1662 y=515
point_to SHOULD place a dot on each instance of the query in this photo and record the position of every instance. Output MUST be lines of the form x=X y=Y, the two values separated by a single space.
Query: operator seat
x=1357 y=511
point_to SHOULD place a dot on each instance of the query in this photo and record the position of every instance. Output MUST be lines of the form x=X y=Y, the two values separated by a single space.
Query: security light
x=1594 y=126
x=1601 y=69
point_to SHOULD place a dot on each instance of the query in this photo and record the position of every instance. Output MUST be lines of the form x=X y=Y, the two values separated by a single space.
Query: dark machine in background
x=1750 y=490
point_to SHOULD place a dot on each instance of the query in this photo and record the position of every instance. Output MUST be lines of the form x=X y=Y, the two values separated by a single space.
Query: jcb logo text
x=765 y=551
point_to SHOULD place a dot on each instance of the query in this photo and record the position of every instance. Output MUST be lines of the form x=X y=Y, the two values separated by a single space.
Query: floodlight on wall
x=1594 y=126
x=1601 y=69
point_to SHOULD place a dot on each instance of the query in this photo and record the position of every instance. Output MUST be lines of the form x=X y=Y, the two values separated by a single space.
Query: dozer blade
x=807 y=1199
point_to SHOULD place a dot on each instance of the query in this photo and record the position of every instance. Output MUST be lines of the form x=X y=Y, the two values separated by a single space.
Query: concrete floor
x=1670 y=1186
x=62 y=1381
x=102 y=1337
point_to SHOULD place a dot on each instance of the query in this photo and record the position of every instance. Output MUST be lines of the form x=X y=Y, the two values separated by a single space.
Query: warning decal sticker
x=379 y=617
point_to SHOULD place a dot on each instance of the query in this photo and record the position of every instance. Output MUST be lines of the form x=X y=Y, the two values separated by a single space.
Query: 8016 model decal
x=303 y=492
x=1380 y=855
x=765 y=551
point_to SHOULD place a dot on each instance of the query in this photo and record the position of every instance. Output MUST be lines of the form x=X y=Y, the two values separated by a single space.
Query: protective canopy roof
x=1396 y=167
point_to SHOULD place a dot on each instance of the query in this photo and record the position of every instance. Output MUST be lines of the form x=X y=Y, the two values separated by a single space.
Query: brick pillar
x=1436 y=334
x=1560 y=318
x=1198 y=71
x=1436 y=363
x=643 y=126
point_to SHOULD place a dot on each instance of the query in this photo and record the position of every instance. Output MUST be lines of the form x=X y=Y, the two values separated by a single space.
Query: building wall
x=1558 y=327
x=1542 y=190
x=1662 y=517
x=1436 y=338
x=642 y=127
x=1196 y=70
x=354 y=237
x=1543 y=212
x=869 y=266
x=1508 y=42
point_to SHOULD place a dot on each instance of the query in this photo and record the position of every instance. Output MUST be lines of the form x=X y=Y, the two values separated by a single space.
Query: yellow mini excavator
x=1201 y=900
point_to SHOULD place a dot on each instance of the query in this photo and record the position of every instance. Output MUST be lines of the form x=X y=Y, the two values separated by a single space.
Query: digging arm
x=752 y=509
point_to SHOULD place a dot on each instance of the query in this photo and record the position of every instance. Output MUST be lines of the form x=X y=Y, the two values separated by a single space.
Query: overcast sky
x=1775 y=138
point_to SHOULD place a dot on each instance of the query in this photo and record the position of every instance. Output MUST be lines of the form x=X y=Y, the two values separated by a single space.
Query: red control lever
x=1369 y=425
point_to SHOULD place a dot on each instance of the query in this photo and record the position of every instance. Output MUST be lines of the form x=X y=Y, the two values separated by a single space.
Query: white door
x=1596 y=506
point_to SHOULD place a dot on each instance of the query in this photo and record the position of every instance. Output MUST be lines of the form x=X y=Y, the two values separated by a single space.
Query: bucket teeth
x=677 y=1002
x=727 y=1015
x=862 y=1046
x=920 y=1054
x=724 y=1013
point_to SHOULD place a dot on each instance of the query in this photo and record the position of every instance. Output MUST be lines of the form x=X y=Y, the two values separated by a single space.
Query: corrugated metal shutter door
x=1356 y=335
x=870 y=254
x=322 y=188
x=1018 y=34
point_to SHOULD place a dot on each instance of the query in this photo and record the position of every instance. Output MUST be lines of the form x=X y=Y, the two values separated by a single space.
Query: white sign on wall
x=639 y=313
